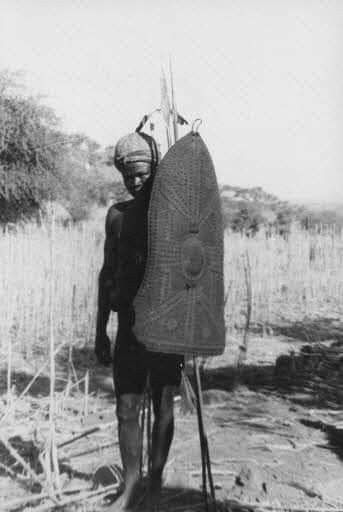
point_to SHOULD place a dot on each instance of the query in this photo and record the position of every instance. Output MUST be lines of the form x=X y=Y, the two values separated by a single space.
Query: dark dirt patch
x=311 y=330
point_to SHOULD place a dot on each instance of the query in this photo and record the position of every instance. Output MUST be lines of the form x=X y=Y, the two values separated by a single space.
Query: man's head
x=135 y=175
x=136 y=157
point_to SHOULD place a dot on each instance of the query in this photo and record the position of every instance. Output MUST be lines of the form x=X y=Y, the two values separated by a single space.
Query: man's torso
x=127 y=225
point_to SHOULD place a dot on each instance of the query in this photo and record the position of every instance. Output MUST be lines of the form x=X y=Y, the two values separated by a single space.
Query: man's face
x=135 y=175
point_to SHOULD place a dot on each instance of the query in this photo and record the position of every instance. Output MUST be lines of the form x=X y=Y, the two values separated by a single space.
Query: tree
x=27 y=160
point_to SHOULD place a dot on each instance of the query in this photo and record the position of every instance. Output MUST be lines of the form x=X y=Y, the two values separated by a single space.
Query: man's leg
x=162 y=434
x=129 y=431
x=129 y=374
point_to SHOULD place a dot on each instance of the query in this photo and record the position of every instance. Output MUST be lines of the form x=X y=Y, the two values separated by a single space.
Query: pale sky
x=265 y=77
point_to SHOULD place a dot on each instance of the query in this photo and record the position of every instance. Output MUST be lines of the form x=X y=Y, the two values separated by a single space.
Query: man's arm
x=106 y=286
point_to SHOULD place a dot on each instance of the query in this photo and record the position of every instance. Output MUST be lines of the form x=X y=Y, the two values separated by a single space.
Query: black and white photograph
x=171 y=256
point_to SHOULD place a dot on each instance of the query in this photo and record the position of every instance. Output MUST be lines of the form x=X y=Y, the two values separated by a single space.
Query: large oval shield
x=179 y=307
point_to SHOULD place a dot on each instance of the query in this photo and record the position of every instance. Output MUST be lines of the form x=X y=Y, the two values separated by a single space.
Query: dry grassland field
x=272 y=402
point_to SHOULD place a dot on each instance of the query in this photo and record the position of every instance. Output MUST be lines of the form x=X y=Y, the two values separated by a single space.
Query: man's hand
x=103 y=349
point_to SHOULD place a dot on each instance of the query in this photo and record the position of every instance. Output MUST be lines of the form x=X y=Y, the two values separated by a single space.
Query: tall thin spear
x=173 y=105
x=165 y=106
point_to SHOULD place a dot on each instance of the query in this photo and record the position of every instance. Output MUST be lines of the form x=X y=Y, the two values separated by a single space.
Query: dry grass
x=277 y=279
x=290 y=279
x=293 y=278
x=25 y=279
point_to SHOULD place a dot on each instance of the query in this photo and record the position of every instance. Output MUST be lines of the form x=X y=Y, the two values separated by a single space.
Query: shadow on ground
x=316 y=387
x=311 y=379
x=173 y=498
x=28 y=452
x=334 y=435
x=310 y=331
x=100 y=378
x=307 y=330
x=184 y=500
x=304 y=394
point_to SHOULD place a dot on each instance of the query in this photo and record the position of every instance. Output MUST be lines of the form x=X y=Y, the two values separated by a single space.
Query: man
x=136 y=157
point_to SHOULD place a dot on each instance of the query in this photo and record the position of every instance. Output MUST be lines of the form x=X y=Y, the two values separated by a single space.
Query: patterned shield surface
x=179 y=307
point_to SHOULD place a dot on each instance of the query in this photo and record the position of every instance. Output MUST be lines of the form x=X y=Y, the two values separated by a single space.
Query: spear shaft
x=174 y=109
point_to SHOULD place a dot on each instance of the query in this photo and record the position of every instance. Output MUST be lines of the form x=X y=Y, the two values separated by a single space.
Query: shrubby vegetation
x=39 y=162
x=247 y=210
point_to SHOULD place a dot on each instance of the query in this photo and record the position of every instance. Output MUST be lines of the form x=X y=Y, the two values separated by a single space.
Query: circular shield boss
x=193 y=259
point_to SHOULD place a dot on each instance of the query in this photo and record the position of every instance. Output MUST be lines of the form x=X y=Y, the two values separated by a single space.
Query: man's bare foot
x=128 y=500
x=119 y=505
x=145 y=498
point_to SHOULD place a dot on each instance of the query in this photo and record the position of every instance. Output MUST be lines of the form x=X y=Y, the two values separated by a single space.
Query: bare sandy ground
x=274 y=444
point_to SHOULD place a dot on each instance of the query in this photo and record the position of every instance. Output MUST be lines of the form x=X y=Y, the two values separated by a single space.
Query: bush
x=28 y=162
x=38 y=162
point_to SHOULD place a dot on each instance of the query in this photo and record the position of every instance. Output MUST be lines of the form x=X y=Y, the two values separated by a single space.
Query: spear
x=173 y=105
x=165 y=106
